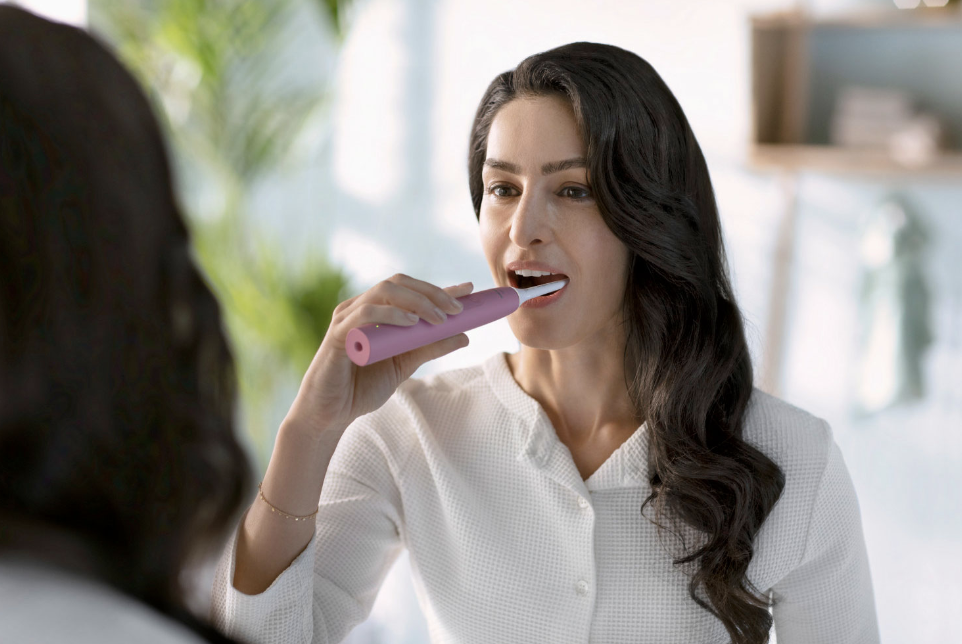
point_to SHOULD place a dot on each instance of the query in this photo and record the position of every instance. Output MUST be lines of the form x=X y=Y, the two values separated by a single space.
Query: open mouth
x=519 y=281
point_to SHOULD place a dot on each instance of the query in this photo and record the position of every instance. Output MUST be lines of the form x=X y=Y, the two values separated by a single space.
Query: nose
x=529 y=223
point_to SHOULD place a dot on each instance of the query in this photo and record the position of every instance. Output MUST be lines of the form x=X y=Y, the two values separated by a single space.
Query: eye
x=492 y=190
x=585 y=196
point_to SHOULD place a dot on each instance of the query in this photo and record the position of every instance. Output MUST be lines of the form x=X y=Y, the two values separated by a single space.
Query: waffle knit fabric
x=509 y=544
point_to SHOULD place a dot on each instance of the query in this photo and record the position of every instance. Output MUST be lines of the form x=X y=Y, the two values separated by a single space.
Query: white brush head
x=525 y=294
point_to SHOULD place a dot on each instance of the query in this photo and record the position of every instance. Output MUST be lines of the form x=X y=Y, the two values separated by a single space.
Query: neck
x=584 y=396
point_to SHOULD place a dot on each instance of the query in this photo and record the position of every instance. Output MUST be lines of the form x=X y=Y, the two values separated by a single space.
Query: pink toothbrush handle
x=375 y=342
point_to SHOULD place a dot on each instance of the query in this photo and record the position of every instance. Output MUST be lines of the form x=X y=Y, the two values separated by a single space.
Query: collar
x=537 y=442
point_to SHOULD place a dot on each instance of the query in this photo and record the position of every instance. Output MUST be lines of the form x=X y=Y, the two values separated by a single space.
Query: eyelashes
x=498 y=186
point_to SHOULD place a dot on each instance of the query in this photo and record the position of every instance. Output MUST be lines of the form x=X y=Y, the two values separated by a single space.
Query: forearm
x=268 y=542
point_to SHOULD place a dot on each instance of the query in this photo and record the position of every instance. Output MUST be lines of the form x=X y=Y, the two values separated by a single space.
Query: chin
x=538 y=337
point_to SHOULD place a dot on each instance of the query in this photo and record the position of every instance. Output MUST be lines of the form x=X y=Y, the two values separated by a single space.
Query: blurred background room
x=320 y=146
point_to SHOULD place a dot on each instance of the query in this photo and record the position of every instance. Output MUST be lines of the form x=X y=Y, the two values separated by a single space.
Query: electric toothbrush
x=370 y=343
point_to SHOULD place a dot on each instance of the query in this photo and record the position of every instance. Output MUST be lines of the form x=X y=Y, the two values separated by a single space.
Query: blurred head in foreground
x=118 y=457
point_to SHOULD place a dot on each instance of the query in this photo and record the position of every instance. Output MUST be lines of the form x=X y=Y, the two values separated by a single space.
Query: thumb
x=411 y=360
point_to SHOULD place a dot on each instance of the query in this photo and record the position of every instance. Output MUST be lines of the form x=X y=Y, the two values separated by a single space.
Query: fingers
x=433 y=295
x=371 y=313
x=411 y=360
x=346 y=303
x=424 y=299
x=448 y=345
x=459 y=290
x=392 y=300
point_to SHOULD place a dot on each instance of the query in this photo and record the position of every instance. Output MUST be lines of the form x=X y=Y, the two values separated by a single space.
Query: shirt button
x=582 y=587
x=582 y=501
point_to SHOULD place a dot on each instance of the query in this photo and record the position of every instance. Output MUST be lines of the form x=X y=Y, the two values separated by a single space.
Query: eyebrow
x=548 y=168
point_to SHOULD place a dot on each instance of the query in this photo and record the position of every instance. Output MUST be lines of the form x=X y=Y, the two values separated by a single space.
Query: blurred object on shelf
x=887 y=119
x=894 y=321
x=868 y=116
x=919 y=142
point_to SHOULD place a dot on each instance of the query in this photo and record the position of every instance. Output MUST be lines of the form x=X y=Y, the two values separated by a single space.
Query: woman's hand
x=335 y=391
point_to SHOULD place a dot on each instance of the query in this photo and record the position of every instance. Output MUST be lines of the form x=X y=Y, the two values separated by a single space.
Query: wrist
x=297 y=468
x=309 y=434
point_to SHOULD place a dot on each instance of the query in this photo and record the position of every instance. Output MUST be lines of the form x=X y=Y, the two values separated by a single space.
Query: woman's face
x=551 y=218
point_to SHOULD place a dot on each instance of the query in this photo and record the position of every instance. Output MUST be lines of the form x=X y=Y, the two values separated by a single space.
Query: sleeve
x=828 y=598
x=331 y=586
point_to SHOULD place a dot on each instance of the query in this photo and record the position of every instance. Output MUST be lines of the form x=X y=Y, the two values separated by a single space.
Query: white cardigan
x=509 y=544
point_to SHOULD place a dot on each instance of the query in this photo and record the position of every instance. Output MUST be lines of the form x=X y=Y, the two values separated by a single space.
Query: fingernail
x=439 y=313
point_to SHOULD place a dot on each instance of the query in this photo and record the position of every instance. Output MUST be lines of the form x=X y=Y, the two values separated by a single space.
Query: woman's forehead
x=533 y=132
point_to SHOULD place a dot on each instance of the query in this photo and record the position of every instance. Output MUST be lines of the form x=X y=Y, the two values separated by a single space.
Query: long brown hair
x=118 y=457
x=686 y=356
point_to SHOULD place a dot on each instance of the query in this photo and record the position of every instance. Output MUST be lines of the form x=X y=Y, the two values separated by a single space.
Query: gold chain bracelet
x=279 y=511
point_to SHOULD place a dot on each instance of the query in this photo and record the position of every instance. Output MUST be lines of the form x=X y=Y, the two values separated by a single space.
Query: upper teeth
x=527 y=273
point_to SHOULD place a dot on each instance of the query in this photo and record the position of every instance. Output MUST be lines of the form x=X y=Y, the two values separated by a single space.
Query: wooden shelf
x=922 y=16
x=791 y=83
x=836 y=160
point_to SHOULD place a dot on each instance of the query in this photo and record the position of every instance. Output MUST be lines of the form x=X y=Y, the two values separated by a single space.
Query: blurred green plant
x=212 y=70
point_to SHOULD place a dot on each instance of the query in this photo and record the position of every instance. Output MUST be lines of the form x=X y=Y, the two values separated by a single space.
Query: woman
x=520 y=486
x=118 y=462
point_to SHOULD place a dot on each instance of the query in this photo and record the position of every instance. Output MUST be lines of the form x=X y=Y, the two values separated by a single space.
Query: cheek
x=484 y=231
x=605 y=264
x=489 y=242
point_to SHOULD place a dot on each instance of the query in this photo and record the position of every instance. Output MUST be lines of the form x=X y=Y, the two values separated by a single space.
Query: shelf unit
x=834 y=160
x=781 y=80
x=784 y=108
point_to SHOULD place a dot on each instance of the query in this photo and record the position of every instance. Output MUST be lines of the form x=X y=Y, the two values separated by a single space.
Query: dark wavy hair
x=691 y=372
x=118 y=458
